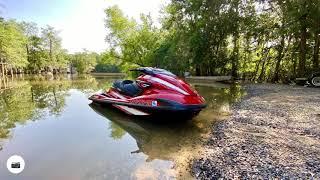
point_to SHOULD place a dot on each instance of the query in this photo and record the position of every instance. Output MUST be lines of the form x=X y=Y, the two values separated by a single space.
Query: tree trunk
x=261 y=43
x=235 y=54
x=247 y=56
x=263 y=68
x=50 y=49
x=198 y=71
x=256 y=70
x=28 y=56
x=260 y=79
x=316 y=52
x=303 y=48
x=279 y=58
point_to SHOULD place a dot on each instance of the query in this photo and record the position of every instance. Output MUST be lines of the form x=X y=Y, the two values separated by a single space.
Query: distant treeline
x=258 y=40
x=26 y=48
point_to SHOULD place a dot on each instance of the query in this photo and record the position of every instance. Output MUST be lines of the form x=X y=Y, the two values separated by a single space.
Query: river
x=51 y=124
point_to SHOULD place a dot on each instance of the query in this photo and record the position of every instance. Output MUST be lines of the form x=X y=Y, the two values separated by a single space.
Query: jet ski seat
x=127 y=87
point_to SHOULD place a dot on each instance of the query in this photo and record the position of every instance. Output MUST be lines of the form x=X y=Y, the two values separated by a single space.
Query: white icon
x=15 y=164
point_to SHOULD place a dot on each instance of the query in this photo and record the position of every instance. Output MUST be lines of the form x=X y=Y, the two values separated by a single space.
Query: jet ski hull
x=156 y=107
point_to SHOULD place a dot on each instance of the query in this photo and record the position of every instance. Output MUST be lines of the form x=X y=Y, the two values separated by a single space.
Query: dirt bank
x=273 y=132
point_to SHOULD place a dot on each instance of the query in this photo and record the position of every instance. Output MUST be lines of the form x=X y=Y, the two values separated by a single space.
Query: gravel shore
x=273 y=132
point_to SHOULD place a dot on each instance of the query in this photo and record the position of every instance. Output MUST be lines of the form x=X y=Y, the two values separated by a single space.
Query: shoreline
x=273 y=132
x=108 y=74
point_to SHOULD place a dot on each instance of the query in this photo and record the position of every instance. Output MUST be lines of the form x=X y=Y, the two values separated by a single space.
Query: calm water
x=52 y=125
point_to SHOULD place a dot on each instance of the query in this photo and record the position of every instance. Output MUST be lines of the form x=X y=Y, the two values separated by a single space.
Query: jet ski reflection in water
x=154 y=92
x=157 y=140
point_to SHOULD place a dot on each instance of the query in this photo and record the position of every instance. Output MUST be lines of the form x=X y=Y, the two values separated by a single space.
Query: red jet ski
x=155 y=92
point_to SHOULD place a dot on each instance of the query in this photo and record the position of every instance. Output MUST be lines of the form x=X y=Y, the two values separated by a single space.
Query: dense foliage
x=84 y=62
x=27 y=49
x=252 y=39
x=23 y=47
x=258 y=40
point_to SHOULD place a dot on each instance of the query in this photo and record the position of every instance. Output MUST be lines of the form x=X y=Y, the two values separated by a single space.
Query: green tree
x=131 y=42
x=84 y=61
x=106 y=62
x=12 y=44
x=52 y=45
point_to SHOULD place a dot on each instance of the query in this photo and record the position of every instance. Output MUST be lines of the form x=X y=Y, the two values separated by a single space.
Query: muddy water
x=50 y=123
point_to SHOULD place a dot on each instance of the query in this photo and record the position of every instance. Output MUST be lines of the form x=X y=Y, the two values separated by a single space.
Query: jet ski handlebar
x=145 y=70
x=153 y=71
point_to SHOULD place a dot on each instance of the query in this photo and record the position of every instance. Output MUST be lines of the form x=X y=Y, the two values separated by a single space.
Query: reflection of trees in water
x=16 y=106
x=236 y=92
x=216 y=98
x=49 y=96
x=35 y=95
x=116 y=131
